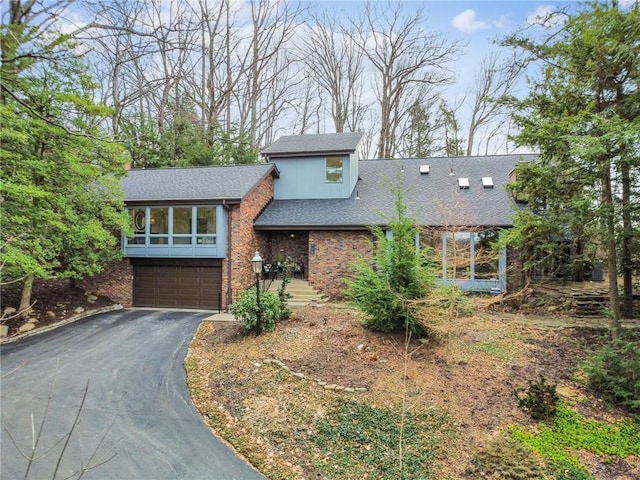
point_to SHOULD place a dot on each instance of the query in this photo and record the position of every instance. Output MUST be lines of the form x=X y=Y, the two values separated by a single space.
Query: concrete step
x=300 y=291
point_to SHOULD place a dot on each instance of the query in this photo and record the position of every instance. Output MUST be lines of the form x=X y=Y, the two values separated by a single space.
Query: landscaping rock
x=91 y=298
x=9 y=311
x=26 y=327
x=78 y=310
x=4 y=331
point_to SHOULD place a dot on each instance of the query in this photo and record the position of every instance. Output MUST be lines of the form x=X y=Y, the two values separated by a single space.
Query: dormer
x=315 y=166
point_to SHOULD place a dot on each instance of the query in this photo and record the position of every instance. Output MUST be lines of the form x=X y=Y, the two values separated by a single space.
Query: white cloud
x=467 y=22
x=546 y=16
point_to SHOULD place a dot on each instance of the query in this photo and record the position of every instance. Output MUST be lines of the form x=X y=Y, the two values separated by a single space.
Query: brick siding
x=331 y=256
x=115 y=283
x=245 y=241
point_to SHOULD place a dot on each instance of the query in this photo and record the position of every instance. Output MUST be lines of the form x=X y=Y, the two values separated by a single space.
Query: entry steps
x=301 y=292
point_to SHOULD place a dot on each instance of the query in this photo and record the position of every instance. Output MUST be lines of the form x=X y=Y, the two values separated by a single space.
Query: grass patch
x=506 y=347
x=356 y=440
x=556 y=441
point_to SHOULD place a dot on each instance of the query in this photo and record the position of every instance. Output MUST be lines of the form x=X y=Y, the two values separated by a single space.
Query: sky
x=478 y=24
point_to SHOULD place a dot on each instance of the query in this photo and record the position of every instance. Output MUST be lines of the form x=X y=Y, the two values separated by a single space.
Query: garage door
x=177 y=286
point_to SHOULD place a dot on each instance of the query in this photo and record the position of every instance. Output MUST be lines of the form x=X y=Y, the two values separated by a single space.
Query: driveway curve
x=137 y=420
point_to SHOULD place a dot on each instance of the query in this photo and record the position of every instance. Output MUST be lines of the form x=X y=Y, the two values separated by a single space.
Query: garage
x=177 y=283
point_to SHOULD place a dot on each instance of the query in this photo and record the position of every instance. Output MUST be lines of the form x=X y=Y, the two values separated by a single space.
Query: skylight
x=463 y=182
x=487 y=182
x=424 y=169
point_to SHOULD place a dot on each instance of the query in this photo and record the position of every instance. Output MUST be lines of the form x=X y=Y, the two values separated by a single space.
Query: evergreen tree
x=583 y=115
x=61 y=196
x=184 y=143
x=399 y=273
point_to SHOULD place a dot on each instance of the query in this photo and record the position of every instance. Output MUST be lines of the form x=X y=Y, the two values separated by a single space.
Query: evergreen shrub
x=245 y=309
x=540 y=399
x=613 y=371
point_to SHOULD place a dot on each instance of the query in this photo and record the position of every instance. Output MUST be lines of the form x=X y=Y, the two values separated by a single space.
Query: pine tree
x=583 y=114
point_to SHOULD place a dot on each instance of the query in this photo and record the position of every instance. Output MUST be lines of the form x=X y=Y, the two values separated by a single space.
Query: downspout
x=229 y=262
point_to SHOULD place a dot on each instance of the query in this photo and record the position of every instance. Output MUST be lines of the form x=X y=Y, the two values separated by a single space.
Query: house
x=312 y=201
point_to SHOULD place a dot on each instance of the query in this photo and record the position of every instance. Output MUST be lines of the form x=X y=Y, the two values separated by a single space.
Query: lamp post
x=256 y=261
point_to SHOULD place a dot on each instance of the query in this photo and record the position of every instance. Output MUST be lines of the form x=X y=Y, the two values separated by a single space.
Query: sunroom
x=176 y=231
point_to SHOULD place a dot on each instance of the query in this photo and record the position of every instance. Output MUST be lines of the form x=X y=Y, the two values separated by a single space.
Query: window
x=206 y=234
x=159 y=225
x=138 y=225
x=458 y=255
x=466 y=253
x=181 y=226
x=431 y=243
x=178 y=226
x=486 y=259
x=334 y=170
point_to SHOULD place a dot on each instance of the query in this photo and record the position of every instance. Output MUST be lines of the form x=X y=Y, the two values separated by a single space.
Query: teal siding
x=305 y=178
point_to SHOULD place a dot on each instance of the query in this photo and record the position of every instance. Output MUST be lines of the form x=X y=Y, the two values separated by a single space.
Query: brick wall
x=245 y=241
x=115 y=282
x=331 y=255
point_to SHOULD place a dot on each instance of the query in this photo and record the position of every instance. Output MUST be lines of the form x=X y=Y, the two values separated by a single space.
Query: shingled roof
x=215 y=183
x=433 y=199
x=305 y=145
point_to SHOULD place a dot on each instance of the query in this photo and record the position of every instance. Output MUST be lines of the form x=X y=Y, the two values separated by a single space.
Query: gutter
x=229 y=261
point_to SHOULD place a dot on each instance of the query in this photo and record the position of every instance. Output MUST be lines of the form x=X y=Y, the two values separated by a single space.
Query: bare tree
x=403 y=56
x=493 y=83
x=308 y=111
x=121 y=43
x=329 y=54
x=266 y=64
x=219 y=70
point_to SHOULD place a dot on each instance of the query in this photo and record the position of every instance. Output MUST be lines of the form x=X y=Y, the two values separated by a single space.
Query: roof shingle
x=231 y=182
x=433 y=199
x=295 y=145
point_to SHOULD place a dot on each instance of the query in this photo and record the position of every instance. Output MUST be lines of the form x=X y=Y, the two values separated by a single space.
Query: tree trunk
x=610 y=242
x=626 y=259
x=25 y=299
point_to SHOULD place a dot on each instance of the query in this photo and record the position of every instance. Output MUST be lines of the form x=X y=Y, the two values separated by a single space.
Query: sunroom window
x=159 y=226
x=173 y=226
x=182 y=220
x=458 y=255
x=206 y=226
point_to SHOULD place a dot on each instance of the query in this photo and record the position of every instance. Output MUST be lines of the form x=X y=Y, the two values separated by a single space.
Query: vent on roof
x=424 y=169
x=487 y=182
x=463 y=182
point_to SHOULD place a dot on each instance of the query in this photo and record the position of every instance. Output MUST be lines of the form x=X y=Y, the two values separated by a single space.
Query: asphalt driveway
x=137 y=421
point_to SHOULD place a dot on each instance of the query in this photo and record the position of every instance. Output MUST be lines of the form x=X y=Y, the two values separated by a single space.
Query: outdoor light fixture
x=256 y=262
